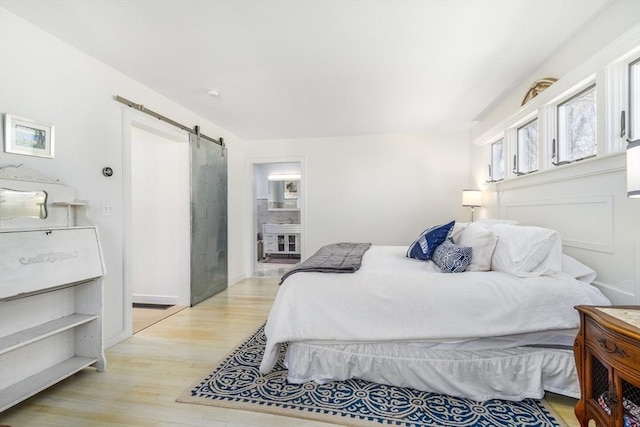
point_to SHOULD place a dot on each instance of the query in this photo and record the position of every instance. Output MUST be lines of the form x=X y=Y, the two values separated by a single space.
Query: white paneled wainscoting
x=588 y=205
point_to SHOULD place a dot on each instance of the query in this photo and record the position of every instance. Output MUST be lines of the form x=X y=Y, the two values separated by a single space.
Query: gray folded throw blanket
x=342 y=257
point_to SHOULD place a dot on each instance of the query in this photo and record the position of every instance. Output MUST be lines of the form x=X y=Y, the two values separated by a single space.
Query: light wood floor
x=145 y=317
x=148 y=371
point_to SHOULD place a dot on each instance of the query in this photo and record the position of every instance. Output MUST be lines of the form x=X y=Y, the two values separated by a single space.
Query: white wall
x=380 y=189
x=45 y=79
x=585 y=201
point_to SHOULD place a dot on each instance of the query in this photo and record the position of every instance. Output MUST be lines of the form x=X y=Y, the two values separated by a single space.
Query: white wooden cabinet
x=281 y=239
x=50 y=295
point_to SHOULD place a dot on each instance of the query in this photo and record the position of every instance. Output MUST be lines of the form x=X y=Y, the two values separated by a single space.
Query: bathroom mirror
x=22 y=204
x=283 y=195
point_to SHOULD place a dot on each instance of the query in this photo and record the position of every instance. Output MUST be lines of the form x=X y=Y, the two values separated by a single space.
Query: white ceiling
x=298 y=69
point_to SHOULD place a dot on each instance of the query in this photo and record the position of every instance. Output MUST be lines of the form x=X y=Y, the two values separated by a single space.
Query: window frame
x=618 y=100
x=630 y=128
x=556 y=159
x=517 y=159
x=489 y=156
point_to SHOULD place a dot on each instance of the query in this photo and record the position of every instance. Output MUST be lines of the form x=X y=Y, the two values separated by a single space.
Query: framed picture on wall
x=28 y=137
x=291 y=189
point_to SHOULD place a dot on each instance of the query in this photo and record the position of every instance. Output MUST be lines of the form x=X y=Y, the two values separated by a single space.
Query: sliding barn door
x=208 y=219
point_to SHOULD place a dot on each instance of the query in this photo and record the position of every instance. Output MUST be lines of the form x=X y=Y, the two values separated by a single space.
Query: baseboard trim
x=154 y=299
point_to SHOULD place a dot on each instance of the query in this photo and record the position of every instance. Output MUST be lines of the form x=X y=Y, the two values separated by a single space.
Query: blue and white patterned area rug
x=237 y=383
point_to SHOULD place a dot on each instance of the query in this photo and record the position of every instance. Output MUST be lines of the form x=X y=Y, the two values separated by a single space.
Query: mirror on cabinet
x=283 y=194
x=22 y=204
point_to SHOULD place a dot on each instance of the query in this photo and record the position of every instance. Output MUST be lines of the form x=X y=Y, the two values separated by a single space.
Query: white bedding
x=513 y=373
x=394 y=298
x=558 y=338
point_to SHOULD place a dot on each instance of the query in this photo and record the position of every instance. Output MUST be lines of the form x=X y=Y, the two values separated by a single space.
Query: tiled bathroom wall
x=264 y=216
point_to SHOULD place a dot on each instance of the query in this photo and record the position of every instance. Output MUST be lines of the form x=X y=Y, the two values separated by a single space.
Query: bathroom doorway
x=278 y=213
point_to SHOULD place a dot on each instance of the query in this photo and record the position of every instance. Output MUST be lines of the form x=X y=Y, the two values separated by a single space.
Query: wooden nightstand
x=607 y=352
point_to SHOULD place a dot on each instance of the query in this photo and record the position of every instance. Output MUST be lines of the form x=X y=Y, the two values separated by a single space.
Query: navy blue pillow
x=424 y=246
x=452 y=258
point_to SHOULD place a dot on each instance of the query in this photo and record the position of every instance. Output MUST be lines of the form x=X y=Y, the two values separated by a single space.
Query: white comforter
x=395 y=298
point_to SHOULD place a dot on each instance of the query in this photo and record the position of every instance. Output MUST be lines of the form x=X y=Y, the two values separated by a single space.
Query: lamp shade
x=471 y=198
x=633 y=169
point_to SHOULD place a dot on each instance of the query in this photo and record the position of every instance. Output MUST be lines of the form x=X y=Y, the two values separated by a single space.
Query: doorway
x=158 y=223
x=278 y=217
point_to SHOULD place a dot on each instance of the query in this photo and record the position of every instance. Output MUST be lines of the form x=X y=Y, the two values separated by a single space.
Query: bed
x=502 y=328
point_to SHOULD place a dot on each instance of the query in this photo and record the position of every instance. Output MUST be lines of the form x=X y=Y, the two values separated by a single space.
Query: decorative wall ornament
x=538 y=87
x=25 y=174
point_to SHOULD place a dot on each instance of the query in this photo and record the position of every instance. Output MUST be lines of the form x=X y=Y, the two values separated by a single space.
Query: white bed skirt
x=512 y=374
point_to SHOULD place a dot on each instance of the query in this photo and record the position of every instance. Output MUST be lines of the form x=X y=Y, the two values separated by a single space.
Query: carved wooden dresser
x=607 y=352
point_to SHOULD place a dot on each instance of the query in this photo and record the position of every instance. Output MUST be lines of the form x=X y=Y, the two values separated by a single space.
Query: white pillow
x=482 y=241
x=490 y=222
x=458 y=228
x=577 y=270
x=527 y=251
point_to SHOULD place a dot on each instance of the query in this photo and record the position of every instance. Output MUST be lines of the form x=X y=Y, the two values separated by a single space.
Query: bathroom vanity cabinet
x=281 y=239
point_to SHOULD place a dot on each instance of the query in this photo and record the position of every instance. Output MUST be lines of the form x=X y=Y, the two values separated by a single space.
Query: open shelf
x=71 y=210
x=31 y=385
x=72 y=203
x=33 y=334
x=58 y=275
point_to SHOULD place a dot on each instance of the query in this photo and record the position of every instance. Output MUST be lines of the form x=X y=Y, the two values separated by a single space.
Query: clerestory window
x=576 y=137
x=526 y=157
x=496 y=161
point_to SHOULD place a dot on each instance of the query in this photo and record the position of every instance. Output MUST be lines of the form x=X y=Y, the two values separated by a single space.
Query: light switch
x=107 y=209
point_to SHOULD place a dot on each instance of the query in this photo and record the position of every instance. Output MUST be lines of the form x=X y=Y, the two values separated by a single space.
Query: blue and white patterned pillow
x=423 y=247
x=452 y=258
